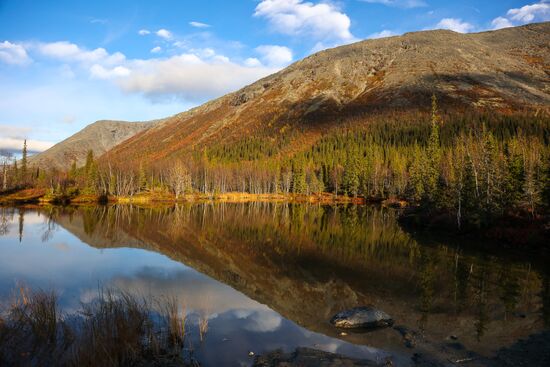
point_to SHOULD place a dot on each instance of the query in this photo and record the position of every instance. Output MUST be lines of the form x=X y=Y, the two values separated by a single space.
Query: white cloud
x=221 y=59
x=382 y=34
x=455 y=24
x=144 y=32
x=156 y=50
x=15 y=144
x=100 y=72
x=538 y=12
x=67 y=51
x=12 y=53
x=322 y=21
x=164 y=33
x=9 y=131
x=501 y=22
x=407 y=4
x=252 y=62
x=275 y=55
x=189 y=77
x=199 y=25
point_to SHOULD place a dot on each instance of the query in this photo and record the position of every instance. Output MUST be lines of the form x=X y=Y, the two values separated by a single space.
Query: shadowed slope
x=503 y=71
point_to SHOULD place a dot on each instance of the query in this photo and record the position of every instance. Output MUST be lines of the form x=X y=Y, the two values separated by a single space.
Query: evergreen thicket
x=477 y=166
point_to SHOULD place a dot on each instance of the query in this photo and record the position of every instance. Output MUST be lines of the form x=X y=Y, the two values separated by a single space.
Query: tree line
x=478 y=167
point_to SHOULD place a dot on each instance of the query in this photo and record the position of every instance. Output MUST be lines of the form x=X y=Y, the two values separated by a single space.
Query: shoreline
x=512 y=233
x=40 y=196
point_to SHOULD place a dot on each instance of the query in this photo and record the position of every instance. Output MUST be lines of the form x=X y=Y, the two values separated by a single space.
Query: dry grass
x=203 y=326
x=116 y=329
x=22 y=196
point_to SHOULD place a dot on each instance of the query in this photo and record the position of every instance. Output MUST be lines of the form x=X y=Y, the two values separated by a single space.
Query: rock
x=361 y=318
x=410 y=337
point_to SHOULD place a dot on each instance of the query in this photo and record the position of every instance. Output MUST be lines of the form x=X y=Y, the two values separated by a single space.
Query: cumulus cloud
x=14 y=54
x=101 y=72
x=199 y=25
x=382 y=34
x=322 y=21
x=12 y=139
x=455 y=24
x=275 y=55
x=156 y=50
x=189 y=77
x=538 y=12
x=252 y=62
x=144 y=32
x=407 y=4
x=16 y=144
x=164 y=33
x=70 y=52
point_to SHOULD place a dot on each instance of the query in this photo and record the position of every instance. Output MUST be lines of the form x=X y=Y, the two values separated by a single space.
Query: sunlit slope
x=502 y=71
x=98 y=137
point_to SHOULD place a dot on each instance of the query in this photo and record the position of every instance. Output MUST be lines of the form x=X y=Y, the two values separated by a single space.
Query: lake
x=270 y=276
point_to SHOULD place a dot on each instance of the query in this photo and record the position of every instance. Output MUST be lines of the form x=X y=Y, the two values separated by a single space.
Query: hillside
x=99 y=137
x=503 y=71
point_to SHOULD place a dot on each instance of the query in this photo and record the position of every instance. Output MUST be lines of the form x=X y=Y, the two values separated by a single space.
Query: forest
x=477 y=167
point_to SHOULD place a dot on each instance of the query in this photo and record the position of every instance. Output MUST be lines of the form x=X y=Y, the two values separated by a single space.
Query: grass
x=116 y=329
x=22 y=196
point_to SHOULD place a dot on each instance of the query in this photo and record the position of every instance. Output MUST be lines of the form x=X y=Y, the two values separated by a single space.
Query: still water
x=270 y=276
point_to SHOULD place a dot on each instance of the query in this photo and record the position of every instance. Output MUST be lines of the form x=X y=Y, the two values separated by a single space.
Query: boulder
x=361 y=318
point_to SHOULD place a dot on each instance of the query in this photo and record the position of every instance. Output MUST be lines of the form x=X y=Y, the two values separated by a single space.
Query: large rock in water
x=361 y=318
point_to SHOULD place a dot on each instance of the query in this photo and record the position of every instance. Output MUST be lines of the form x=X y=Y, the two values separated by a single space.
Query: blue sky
x=65 y=64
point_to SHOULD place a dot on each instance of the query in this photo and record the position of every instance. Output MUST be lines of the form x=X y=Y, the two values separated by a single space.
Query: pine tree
x=91 y=174
x=433 y=152
x=490 y=174
x=515 y=174
x=16 y=173
x=24 y=164
x=89 y=161
x=351 y=175
x=73 y=170
x=298 y=177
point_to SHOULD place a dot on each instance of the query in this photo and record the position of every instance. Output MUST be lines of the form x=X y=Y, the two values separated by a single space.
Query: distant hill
x=99 y=137
x=501 y=71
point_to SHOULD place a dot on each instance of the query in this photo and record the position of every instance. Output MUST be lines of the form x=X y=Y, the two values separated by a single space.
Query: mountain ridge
x=99 y=136
x=505 y=70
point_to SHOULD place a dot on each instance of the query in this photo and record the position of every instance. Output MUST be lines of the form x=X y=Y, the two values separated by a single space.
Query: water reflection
x=271 y=275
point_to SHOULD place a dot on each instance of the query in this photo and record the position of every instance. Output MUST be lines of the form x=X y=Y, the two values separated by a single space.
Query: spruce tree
x=24 y=164
x=433 y=152
x=351 y=175
x=298 y=177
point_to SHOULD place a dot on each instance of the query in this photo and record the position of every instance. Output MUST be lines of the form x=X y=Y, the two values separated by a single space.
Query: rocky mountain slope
x=505 y=70
x=99 y=137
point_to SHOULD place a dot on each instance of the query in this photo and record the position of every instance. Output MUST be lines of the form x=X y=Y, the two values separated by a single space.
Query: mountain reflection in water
x=271 y=275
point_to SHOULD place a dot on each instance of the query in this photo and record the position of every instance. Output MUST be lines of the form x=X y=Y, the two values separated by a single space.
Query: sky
x=65 y=64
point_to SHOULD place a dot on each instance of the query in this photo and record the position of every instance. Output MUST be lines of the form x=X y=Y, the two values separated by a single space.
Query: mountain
x=99 y=137
x=502 y=71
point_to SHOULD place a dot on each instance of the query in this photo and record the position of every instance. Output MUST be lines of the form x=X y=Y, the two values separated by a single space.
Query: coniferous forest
x=474 y=168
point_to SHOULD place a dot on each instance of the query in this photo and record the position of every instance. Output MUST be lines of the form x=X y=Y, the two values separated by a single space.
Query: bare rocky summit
x=502 y=71
x=98 y=137
x=499 y=71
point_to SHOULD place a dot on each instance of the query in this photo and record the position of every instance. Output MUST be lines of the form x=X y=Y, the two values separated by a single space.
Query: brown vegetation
x=116 y=329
